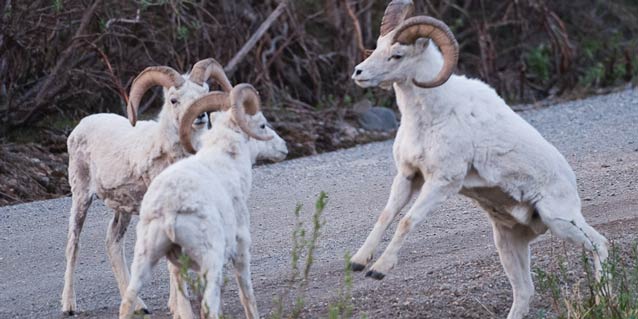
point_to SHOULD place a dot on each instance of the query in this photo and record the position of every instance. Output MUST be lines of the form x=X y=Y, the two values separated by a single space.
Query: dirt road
x=447 y=269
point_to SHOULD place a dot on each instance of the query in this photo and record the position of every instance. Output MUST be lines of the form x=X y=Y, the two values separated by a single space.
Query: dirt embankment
x=33 y=171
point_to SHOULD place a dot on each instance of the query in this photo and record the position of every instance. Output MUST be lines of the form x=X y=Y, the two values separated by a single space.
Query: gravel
x=448 y=267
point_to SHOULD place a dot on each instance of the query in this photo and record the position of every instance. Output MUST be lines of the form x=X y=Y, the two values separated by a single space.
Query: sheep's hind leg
x=241 y=262
x=567 y=222
x=115 y=249
x=564 y=218
x=433 y=192
x=400 y=193
x=152 y=244
x=206 y=253
x=211 y=272
x=513 y=248
x=81 y=201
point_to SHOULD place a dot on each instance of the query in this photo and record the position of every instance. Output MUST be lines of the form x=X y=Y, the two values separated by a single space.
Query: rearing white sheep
x=458 y=136
x=116 y=162
x=198 y=206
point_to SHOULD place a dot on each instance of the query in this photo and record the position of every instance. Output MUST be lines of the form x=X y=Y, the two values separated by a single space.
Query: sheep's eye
x=395 y=56
x=173 y=100
x=263 y=126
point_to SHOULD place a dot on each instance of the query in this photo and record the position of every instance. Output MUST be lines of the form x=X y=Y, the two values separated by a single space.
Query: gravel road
x=448 y=268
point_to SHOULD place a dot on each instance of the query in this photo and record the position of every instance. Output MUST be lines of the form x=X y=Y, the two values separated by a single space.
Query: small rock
x=361 y=106
x=347 y=130
x=378 y=119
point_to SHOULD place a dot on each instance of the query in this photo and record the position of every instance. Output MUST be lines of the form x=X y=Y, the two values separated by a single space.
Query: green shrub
x=539 y=62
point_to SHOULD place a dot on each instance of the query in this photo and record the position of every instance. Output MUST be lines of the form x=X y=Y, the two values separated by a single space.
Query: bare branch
x=230 y=67
x=45 y=92
x=123 y=20
x=357 y=29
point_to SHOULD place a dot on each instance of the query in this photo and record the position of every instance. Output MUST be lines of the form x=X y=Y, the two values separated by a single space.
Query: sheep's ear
x=422 y=43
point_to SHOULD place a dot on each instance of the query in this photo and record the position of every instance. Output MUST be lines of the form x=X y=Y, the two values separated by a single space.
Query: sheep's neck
x=227 y=143
x=421 y=106
x=169 y=133
x=167 y=149
x=225 y=148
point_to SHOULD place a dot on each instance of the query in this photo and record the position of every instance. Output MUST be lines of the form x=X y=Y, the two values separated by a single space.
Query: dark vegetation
x=61 y=60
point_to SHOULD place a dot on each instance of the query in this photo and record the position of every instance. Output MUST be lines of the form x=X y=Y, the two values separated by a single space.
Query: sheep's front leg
x=433 y=192
x=115 y=249
x=241 y=262
x=402 y=188
x=179 y=302
x=513 y=248
x=173 y=289
x=79 y=208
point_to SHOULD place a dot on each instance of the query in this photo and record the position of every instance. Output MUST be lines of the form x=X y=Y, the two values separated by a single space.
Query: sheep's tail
x=169 y=226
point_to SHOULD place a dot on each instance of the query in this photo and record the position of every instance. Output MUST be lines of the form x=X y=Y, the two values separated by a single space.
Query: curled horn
x=395 y=13
x=151 y=76
x=210 y=68
x=428 y=27
x=245 y=100
x=210 y=102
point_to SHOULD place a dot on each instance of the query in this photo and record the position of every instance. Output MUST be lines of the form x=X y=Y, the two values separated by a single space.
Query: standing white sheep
x=114 y=161
x=198 y=206
x=458 y=136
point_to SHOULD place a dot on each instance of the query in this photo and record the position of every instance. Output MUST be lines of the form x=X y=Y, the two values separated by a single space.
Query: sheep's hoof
x=375 y=275
x=69 y=313
x=142 y=311
x=357 y=266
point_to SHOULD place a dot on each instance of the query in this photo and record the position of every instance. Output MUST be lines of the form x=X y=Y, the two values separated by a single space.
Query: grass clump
x=614 y=297
x=342 y=309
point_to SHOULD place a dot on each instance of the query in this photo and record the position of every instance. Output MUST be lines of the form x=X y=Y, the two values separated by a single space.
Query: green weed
x=342 y=309
x=587 y=298
x=303 y=244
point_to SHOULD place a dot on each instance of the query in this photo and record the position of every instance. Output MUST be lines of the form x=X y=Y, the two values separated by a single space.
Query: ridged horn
x=428 y=27
x=210 y=68
x=395 y=13
x=151 y=76
x=244 y=100
x=209 y=102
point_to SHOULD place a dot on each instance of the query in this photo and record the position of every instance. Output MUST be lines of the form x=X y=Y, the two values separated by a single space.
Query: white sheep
x=114 y=161
x=198 y=206
x=458 y=136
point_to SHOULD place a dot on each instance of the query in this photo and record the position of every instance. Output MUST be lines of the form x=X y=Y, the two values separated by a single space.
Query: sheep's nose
x=357 y=72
